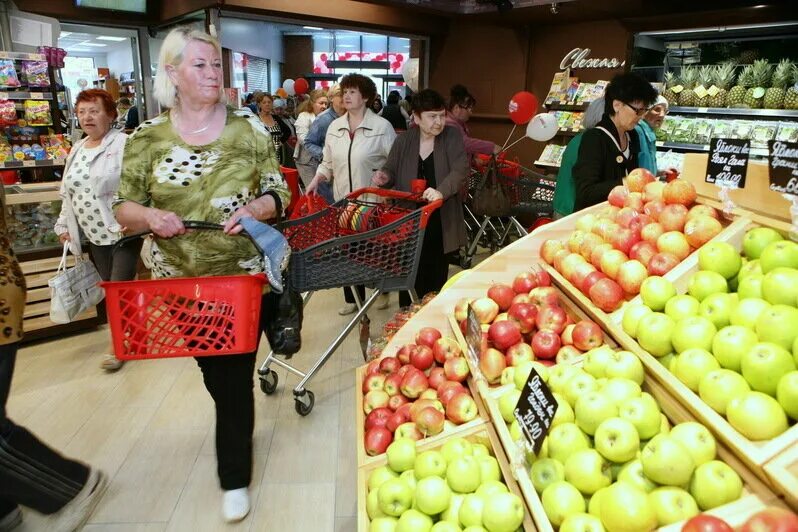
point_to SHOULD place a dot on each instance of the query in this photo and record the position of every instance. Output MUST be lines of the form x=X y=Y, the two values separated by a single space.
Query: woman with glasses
x=609 y=150
x=461 y=105
x=647 y=158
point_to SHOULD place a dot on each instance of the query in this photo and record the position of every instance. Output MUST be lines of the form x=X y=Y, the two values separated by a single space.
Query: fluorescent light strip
x=312 y=28
x=98 y=45
x=108 y=38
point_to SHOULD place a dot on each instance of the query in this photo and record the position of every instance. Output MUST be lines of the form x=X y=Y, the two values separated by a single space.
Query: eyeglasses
x=640 y=112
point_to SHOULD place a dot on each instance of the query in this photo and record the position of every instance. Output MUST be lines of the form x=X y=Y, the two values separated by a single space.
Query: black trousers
x=31 y=473
x=119 y=266
x=349 y=296
x=433 y=265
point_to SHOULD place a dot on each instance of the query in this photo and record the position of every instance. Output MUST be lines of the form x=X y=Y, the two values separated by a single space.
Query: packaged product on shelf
x=35 y=73
x=565 y=118
x=702 y=131
x=670 y=159
x=8 y=113
x=8 y=74
x=56 y=146
x=666 y=130
x=763 y=132
x=723 y=129
x=558 y=87
x=597 y=91
x=742 y=129
x=683 y=130
x=788 y=132
x=5 y=150
x=573 y=86
x=577 y=121
x=37 y=113
x=583 y=90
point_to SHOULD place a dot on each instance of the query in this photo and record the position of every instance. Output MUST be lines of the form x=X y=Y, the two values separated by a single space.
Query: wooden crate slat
x=42 y=322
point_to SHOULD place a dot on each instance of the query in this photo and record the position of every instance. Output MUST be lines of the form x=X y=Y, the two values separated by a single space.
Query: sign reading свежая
x=577 y=58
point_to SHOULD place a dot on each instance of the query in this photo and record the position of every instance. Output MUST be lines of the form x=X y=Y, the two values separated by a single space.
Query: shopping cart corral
x=529 y=196
x=373 y=238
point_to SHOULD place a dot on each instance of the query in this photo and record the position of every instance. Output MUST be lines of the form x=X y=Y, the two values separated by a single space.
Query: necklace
x=200 y=130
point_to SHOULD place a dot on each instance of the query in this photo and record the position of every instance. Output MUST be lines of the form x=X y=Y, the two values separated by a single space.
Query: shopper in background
x=31 y=473
x=279 y=132
x=252 y=101
x=308 y=111
x=394 y=113
x=565 y=191
x=461 y=105
x=608 y=151
x=289 y=144
x=204 y=161
x=314 y=141
x=356 y=144
x=647 y=158
x=91 y=178
x=376 y=105
x=435 y=152
x=123 y=105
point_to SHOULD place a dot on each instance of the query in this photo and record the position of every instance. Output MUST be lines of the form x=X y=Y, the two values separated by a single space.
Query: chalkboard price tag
x=783 y=167
x=535 y=410
x=473 y=336
x=728 y=162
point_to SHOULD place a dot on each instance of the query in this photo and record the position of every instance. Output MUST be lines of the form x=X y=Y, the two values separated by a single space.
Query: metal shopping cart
x=373 y=237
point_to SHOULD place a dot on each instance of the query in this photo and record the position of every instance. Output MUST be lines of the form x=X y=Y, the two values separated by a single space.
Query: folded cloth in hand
x=273 y=246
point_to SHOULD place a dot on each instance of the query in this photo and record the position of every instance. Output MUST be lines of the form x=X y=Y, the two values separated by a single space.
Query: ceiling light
x=98 y=45
x=65 y=33
x=108 y=38
x=312 y=28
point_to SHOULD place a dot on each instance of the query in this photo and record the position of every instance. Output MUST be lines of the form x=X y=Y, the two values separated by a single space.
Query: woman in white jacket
x=91 y=178
x=357 y=144
x=308 y=111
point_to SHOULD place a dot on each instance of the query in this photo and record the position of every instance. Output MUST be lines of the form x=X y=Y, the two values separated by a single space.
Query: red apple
x=570 y=263
x=590 y=241
x=611 y=261
x=567 y=335
x=653 y=191
x=377 y=440
x=404 y=353
x=631 y=275
x=679 y=192
x=605 y=227
x=444 y=348
x=501 y=317
x=429 y=393
x=606 y=294
x=642 y=252
x=551 y=318
x=373 y=367
x=701 y=228
x=485 y=309
x=461 y=409
x=503 y=334
x=662 y=263
x=568 y=354
x=389 y=364
x=580 y=272
x=524 y=315
x=675 y=243
x=617 y=196
x=393 y=383
x=422 y=357
x=772 y=519
x=544 y=296
x=590 y=280
x=634 y=201
x=492 y=363
x=609 y=211
x=430 y=421
x=651 y=232
x=404 y=369
x=559 y=257
x=626 y=216
x=598 y=252
x=408 y=430
x=449 y=389
x=396 y=401
x=587 y=335
x=524 y=282
x=502 y=294
x=703 y=210
x=545 y=344
x=461 y=308
x=548 y=249
x=405 y=409
x=436 y=377
x=673 y=217
x=624 y=239
x=427 y=336
x=638 y=179
x=706 y=523
x=456 y=369
x=421 y=404
x=520 y=352
x=575 y=241
x=373 y=382
x=544 y=279
x=654 y=209
x=521 y=298
x=375 y=399
x=396 y=419
x=413 y=383
x=378 y=418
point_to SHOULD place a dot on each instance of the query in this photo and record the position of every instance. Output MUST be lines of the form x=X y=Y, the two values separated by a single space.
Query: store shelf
x=684 y=146
x=21 y=56
x=566 y=107
x=24 y=95
x=564 y=132
x=546 y=164
x=732 y=111
x=8 y=165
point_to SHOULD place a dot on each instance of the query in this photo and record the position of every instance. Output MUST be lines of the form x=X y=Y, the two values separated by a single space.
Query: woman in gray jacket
x=436 y=153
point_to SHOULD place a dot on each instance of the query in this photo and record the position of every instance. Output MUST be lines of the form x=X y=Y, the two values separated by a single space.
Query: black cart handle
x=188 y=224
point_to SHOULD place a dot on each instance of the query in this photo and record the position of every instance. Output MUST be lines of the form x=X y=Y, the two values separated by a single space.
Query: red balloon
x=523 y=107
x=325 y=84
x=396 y=65
x=301 y=85
x=323 y=57
x=400 y=57
x=317 y=70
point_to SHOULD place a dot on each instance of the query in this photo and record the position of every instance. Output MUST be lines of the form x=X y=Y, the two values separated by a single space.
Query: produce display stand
x=483 y=433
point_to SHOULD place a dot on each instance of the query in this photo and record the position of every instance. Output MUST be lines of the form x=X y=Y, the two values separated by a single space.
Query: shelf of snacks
x=547 y=164
x=551 y=155
x=567 y=93
x=452 y=487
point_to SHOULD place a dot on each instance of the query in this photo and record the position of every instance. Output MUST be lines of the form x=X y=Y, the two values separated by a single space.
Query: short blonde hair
x=335 y=90
x=172 y=54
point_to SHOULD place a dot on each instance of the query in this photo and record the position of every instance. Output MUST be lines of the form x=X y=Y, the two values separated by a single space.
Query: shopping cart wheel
x=268 y=382
x=465 y=262
x=304 y=403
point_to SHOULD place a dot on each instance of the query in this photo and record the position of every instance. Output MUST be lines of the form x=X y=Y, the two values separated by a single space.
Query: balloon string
x=508 y=136
x=514 y=143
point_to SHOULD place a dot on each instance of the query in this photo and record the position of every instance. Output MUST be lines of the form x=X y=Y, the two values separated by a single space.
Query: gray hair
x=593 y=113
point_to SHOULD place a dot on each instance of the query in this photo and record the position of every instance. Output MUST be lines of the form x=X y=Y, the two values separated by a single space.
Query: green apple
x=783 y=253
x=756 y=240
x=380 y=476
x=478 y=450
x=383 y=524
x=474 y=529
x=682 y=306
x=564 y=414
x=643 y=412
x=703 y=284
x=587 y=471
x=695 y=331
x=780 y=287
x=757 y=416
x=672 y=505
x=787 y=393
x=470 y=513
x=632 y=472
x=455 y=447
x=593 y=408
x=750 y=287
x=521 y=374
x=665 y=426
x=445 y=526
x=667 y=461
x=720 y=257
x=373 y=505
x=667 y=360
x=463 y=474
x=617 y=440
x=764 y=365
x=450 y=514
x=401 y=454
x=595 y=361
x=508 y=375
x=594 y=504
x=409 y=477
x=697 y=439
x=654 y=333
x=731 y=343
x=655 y=292
x=778 y=324
x=626 y=508
x=715 y=484
x=795 y=350
x=734 y=283
x=717 y=308
x=619 y=390
x=578 y=385
x=625 y=365
x=692 y=365
x=559 y=376
x=582 y=523
x=546 y=471
x=414 y=521
x=566 y=439
x=432 y=495
x=515 y=431
x=631 y=318
x=491 y=486
x=395 y=497
x=429 y=463
x=489 y=469
x=751 y=267
x=507 y=403
x=560 y=500
x=747 y=311
x=720 y=386
x=503 y=512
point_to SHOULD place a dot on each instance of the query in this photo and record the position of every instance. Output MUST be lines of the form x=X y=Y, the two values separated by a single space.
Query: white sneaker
x=346 y=310
x=383 y=301
x=77 y=511
x=11 y=520
x=110 y=363
x=235 y=505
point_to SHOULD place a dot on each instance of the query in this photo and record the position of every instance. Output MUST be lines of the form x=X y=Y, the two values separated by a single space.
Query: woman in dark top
x=609 y=150
x=279 y=131
x=395 y=114
x=434 y=152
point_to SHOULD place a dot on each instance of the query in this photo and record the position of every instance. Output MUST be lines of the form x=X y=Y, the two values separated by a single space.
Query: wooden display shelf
x=484 y=434
x=783 y=473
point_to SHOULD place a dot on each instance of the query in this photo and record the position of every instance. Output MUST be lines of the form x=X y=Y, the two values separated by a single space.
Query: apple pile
x=456 y=485
x=733 y=337
x=415 y=393
x=773 y=519
x=611 y=461
x=648 y=228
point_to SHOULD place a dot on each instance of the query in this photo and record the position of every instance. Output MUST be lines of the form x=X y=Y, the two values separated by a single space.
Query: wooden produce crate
x=450 y=428
x=756 y=494
x=483 y=433
x=783 y=473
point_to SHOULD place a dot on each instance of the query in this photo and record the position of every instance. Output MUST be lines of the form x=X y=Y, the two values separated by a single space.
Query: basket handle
x=188 y=224
x=426 y=210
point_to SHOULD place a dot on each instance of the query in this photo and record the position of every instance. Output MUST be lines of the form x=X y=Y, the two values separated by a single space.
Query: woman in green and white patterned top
x=204 y=161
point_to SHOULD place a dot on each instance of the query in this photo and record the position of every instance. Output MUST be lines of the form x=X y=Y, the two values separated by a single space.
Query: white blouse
x=84 y=199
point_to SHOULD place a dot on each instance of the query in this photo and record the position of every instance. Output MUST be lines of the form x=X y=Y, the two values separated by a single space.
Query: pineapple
x=782 y=76
x=761 y=74
x=737 y=93
x=723 y=77
x=705 y=75
x=670 y=81
x=688 y=98
x=791 y=98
